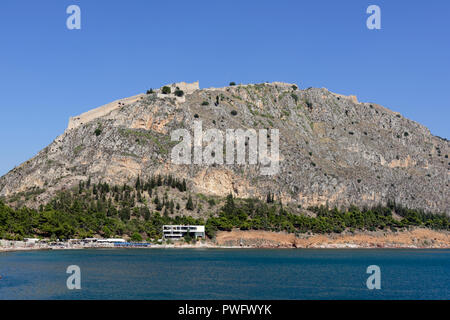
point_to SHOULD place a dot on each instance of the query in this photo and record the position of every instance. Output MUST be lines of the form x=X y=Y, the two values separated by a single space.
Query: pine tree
x=229 y=205
x=159 y=182
x=156 y=200
x=152 y=183
x=171 y=206
x=138 y=183
x=190 y=204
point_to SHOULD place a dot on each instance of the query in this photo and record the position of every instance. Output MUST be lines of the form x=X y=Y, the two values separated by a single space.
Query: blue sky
x=49 y=73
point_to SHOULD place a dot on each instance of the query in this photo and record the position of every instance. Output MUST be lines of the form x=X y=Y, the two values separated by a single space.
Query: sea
x=226 y=274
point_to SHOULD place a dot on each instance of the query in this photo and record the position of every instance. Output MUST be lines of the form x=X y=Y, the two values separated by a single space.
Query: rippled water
x=226 y=274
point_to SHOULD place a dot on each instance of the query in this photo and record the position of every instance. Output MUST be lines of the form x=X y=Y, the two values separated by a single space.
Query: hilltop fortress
x=187 y=88
x=93 y=114
x=334 y=150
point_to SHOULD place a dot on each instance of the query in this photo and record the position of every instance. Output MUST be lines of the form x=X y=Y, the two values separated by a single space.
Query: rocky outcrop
x=333 y=149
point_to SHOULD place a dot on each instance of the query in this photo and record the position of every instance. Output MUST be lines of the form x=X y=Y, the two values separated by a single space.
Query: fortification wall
x=188 y=88
x=100 y=111
x=93 y=114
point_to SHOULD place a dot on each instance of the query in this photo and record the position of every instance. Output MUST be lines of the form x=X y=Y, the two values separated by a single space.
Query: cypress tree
x=190 y=204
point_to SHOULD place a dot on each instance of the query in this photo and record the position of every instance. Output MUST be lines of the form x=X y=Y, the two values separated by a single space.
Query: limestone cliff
x=333 y=149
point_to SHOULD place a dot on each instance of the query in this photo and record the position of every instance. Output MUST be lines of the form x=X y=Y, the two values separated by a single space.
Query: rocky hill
x=333 y=149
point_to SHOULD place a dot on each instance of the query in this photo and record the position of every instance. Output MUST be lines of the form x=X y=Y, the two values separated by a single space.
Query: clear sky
x=49 y=73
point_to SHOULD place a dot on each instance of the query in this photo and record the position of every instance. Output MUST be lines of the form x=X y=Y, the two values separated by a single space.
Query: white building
x=111 y=240
x=31 y=240
x=176 y=232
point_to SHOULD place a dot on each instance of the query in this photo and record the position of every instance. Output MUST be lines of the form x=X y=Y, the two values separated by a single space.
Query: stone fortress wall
x=100 y=111
x=93 y=114
x=187 y=88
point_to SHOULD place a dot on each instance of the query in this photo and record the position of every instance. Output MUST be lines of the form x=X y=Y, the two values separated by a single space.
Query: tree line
x=139 y=211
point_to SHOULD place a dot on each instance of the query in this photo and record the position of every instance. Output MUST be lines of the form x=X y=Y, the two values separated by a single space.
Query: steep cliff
x=333 y=149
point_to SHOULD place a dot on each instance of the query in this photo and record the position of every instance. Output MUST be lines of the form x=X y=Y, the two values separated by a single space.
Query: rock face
x=333 y=149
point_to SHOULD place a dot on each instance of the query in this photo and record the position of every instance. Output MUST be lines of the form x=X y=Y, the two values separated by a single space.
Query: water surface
x=226 y=274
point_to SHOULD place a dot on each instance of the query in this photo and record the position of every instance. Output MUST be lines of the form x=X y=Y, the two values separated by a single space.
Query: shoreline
x=415 y=238
x=8 y=250
x=418 y=238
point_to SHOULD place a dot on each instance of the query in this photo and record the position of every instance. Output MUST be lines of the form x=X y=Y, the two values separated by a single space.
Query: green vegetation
x=100 y=209
x=309 y=104
x=98 y=132
x=166 y=90
x=136 y=237
x=254 y=214
x=205 y=103
x=162 y=142
x=97 y=209
x=179 y=93
x=190 y=204
x=232 y=83
x=188 y=237
x=295 y=97
x=150 y=91
x=78 y=149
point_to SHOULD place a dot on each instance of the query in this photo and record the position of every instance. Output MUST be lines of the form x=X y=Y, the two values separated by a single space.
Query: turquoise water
x=226 y=274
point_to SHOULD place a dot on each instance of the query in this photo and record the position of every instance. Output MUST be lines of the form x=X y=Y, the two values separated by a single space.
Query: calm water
x=226 y=274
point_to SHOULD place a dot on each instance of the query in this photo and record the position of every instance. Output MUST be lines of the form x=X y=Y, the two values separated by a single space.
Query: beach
x=418 y=238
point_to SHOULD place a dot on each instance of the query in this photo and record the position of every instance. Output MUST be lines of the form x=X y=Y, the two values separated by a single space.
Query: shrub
x=136 y=237
x=294 y=96
x=166 y=90
x=179 y=93
x=205 y=103
x=98 y=132
x=196 y=116
x=232 y=83
x=150 y=91
x=294 y=87
x=234 y=112
x=188 y=237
